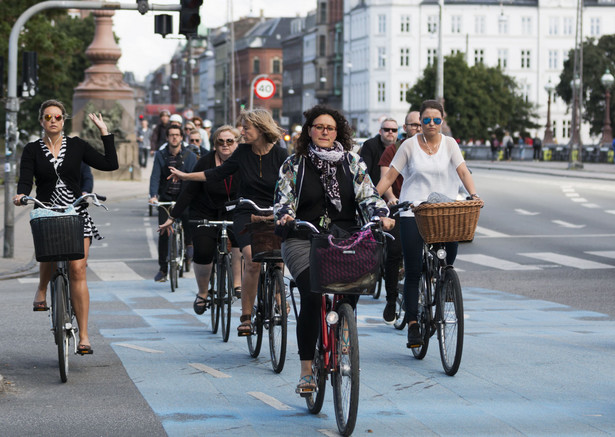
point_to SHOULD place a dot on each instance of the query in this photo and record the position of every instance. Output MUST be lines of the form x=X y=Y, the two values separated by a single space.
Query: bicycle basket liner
x=58 y=237
x=448 y=221
x=345 y=265
x=265 y=244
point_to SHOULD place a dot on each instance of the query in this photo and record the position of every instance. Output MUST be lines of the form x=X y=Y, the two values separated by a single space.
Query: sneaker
x=160 y=277
x=389 y=313
x=414 y=336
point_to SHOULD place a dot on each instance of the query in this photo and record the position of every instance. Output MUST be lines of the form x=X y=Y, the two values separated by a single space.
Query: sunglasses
x=195 y=140
x=48 y=117
x=436 y=120
x=228 y=141
x=414 y=125
x=322 y=127
x=389 y=129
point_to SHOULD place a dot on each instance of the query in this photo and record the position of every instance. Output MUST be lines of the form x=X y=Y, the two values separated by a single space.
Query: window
x=382 y=92
x=432 y=24
x=275 y=113
x=323 y=12
x=568 y=27
x=456 y=24
x=431 y=56
x=566 y=128
x=405 y=23
x=456 y=51
x=479 y=56
x=322 y=45
x=382 y=57
x=403 y=89
x=479 y=24
x=526 y=25
x=525 y=58
x=276 y=66
x=404 y=57
x=525 y=91
x=553 y=25
x=503 y=58
x=594 y=26
x=256 y=65
x=503 y=24
x=382 y=24
x=553 y=60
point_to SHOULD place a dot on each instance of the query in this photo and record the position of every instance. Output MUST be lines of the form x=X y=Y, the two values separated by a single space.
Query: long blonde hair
x=262 y=120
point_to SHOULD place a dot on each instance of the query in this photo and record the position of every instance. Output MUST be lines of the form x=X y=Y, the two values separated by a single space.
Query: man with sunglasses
x=195 y=144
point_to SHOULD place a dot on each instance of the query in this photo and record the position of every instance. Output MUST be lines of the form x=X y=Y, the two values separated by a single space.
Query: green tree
x=597 y=57
x=60 y=42
x=478 y=100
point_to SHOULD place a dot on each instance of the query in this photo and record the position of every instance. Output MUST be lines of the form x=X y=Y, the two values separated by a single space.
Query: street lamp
x=548 y=139
x=607 y=80
x=574 y=159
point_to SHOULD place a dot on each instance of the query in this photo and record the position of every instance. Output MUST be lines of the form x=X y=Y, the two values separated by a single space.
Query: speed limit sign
x=264 y=89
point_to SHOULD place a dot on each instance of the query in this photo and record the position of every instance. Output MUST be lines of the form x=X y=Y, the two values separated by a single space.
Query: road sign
x=264 y=89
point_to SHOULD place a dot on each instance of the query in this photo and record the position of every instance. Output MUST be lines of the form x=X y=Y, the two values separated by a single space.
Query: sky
x=143 y=50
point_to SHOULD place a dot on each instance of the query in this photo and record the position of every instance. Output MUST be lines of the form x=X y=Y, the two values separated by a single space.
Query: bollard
x=547 y=154
x=609 y=156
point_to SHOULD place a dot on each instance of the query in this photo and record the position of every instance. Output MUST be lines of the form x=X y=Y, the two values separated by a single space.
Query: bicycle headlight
x=441 y=254
x=332 y=318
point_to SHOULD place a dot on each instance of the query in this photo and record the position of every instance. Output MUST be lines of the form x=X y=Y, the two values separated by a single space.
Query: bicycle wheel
x=424 y=316
x=450 y=322
x=173 y=263
x=61 y=318
x=179 y=237
x=346 y=375
x=256 y=339
x=315 y=400
x=378 y=286
x=278 y=320
x=213 y=298
x=400 y=312
x=225 y=291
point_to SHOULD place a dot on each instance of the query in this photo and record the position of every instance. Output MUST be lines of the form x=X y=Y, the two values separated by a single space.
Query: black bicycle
x=176 y=257
x=58 y=237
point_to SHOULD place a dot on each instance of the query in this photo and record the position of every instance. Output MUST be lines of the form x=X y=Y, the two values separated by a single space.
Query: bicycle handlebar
x=241 y=201
x=96 y=201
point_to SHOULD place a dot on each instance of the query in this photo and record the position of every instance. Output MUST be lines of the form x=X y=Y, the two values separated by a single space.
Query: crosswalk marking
x=578 y=199
x=489 y=233
x=139 y=348
x=269 y=400
x=566 y=224
x=525 y=212
x=604 y=253
x=114 y=271
x=496 y=263
x=610 y=211
x=565 y=260
x=206 y=369
x=590 y=205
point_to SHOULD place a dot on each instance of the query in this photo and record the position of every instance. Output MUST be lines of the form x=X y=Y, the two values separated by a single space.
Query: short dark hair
x=174 y=127
x=432 y=104
x=344 y=131
x=47 y=103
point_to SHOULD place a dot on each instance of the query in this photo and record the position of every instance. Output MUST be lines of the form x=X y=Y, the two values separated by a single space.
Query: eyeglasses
x=322 y=127
x=188 y=128
x=228 y=141
x=389 y=129
x=436 y=120
x=195 y=140
x=414 y=125
x=175 y=135
x=48 y=117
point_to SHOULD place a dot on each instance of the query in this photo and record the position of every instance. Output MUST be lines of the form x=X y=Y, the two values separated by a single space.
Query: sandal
x=40 y=306
x=237 y=291
x=85 y=349
x=200 y=304
x=245 y=329
x=306 y=385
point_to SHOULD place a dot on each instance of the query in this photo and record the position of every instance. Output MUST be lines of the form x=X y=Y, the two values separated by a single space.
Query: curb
x=579 y=174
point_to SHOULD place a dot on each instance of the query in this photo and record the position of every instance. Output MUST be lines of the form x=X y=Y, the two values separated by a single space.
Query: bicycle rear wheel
x=255 y=340
x=225 y=291
x=181 y=264
x=61 y=318
x=346 y=377
x=278 y=320
x=315 y=400
x=450 y=322
x=424 y=316
x=213 y=298
x=173 y=273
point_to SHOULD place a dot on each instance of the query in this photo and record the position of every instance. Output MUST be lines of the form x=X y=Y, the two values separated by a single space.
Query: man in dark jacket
x=159 y=135
x=165 y=190
x=374 y=147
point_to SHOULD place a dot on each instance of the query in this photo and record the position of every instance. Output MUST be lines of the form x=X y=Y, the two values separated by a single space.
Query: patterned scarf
x=326 y=161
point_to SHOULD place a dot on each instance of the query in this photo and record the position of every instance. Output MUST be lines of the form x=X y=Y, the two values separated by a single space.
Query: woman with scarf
x=325 y=184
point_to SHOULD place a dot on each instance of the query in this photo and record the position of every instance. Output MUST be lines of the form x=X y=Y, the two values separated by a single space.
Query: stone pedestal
x=104 y=91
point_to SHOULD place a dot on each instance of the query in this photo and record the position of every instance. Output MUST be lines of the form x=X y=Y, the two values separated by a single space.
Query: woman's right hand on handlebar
x=166 y=227
x=17 y=199
x=285 y=219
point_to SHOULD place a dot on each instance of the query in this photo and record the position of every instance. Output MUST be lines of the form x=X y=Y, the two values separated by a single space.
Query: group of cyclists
x=323 y=182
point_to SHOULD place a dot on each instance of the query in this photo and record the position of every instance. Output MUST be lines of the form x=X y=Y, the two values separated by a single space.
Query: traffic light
x=29 y=75
x=163 y=24
x=189 y=18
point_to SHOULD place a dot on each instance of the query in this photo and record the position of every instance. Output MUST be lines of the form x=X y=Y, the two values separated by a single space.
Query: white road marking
x=496 y=263
x=489 y=233
x=572 y=194
x=139 y=348
x=578 y=199
x=114 y=271
x=27 y=280
x=98 y=245
x=566 y=224
x=590 y=205
x=565 y=260
x=524 y=212
x=206 y=369
x=567 y=189
x=269 y=400
x=610 y=211
x=149 y=233
x=329 y=432
x=604 y=253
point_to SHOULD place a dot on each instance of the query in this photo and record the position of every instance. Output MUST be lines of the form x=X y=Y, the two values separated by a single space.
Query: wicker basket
x=265 y=244
x=58 y=238
x=449 y=221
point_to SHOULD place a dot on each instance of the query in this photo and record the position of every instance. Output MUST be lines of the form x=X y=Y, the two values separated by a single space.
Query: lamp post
x=607 y=80
x=548 y=139
x=574 y=159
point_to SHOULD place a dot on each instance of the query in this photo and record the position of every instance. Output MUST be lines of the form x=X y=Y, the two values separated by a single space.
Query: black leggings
x=393 y=262
x=412 y=247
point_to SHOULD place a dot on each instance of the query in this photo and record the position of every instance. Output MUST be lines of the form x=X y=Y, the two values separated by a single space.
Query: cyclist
x=54 y=161
x=429 y=162
x=323 y=183
x=257 y=162
x=206 y=201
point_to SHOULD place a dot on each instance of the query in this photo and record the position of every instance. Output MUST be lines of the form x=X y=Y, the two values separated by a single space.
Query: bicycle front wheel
x=278 y=320
x=181 y=262
x=213 y=298
x=424 y=316
x=61 y=318
x=255 y=340
x=173 y=273
x=400 y=312
x=450 y=322
x=345 y=379
x=225 y=293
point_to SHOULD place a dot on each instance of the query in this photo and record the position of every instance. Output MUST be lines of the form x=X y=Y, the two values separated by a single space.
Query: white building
x=388 y=44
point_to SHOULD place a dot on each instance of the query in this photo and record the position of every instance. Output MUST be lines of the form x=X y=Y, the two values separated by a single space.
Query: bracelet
x=475 y=196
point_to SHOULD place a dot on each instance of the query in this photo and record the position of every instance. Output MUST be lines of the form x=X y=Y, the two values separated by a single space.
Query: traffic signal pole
x=12 y=101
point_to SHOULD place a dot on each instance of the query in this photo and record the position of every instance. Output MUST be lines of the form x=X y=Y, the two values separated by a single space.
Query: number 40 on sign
x=264 y=89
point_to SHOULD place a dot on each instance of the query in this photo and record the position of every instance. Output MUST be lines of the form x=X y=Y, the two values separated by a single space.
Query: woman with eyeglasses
x=257 y=162
x=206 y=201
x=429 y=163
x=54 y=162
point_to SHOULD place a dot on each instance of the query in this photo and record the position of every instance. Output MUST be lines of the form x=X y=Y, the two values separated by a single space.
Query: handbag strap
x=355 y=239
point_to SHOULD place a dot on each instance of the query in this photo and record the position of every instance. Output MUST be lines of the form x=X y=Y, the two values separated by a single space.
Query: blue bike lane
x=529 y=367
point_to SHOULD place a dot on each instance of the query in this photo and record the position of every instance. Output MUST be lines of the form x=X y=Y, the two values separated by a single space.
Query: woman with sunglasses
x=206 y=201
x=257 y=162
x=54 y=161
x=429 y=163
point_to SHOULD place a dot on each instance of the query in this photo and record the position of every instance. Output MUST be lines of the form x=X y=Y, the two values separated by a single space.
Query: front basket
x=58 y=238
x=448 y=221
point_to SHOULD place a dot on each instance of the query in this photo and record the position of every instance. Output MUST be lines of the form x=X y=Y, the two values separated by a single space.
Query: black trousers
x=163 y=238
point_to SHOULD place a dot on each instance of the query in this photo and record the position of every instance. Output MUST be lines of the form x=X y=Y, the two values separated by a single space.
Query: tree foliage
x=597 y=57
x=478 y=100
x=60 y=42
